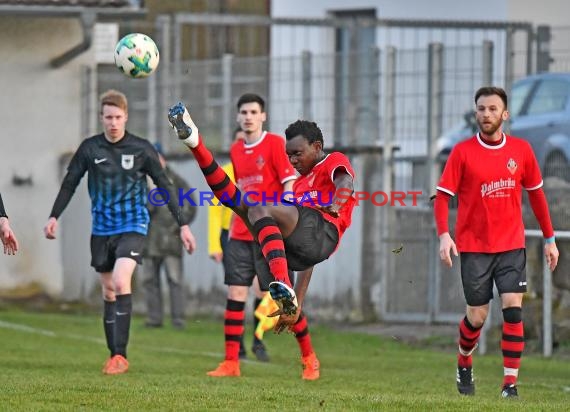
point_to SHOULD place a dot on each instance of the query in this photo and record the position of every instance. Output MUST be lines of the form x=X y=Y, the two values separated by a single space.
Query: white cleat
x=181 y=121
x=284 y=296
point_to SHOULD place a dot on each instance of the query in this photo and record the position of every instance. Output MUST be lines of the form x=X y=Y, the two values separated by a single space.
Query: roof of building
x=68 y=3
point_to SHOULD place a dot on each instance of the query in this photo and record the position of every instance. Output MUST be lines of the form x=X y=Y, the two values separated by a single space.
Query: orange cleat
x=106 y=365
x=311 y=367
x=226 y=368
x=116 y=365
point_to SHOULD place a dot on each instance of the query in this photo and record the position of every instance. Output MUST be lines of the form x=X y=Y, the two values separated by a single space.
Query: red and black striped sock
x=512 y=344
x=468 y=337
x=222 y=187
x=233 y=327
x=301 y=330
x=272 y=246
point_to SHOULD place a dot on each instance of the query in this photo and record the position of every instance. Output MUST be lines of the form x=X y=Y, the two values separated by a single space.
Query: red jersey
x=260 y=168
x=317 y=188
x=488 y=181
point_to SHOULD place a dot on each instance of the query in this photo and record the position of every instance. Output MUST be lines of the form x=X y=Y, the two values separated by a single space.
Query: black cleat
x=260 y=352
x=242 y=352
x=509 y=391
x=284 y=296
x=465 y=382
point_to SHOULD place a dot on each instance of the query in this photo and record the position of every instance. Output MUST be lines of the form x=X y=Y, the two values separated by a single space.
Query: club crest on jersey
x=512 y=166
x=260 y=162
x=127 y=161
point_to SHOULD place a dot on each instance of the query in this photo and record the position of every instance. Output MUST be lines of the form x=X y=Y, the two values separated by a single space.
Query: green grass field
x=53 y=362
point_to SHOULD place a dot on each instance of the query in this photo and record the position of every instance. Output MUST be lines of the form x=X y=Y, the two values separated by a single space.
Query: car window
x=550 y=96
x=518 y=96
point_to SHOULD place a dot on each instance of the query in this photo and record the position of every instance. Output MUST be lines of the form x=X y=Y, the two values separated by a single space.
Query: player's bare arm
x=288 y=190
x=50 y=228
x=188 y=239
x=552 y=254
x=7 y=236
x=446 y=246
x=344 y=184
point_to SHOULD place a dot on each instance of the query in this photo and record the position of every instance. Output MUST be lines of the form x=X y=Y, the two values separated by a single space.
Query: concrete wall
x=40 y=115
x=553 y=12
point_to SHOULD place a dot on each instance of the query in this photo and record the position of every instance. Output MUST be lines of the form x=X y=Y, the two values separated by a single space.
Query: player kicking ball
x=292 y=235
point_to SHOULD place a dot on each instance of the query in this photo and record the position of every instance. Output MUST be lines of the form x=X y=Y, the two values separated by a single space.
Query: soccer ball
x=136 y=55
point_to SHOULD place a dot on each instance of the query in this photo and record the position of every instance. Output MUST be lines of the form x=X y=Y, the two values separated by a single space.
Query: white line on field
x=52 y=334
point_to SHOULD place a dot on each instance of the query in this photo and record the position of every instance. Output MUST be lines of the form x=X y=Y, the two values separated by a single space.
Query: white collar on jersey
x=252 y=145
x=492 y=147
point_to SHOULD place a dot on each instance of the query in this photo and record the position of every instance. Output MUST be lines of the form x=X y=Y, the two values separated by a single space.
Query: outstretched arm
x=539 y=207
x=441 y=212
x=6 y=234
x=344 y=184
x=75 y=171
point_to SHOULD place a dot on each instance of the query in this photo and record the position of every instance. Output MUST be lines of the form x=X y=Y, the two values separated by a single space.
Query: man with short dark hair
x=292 y=235
x=488 y=173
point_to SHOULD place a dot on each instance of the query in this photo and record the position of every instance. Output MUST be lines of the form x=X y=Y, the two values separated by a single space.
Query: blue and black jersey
x=117 y=183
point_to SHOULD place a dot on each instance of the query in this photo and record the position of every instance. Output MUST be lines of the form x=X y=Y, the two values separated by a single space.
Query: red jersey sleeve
x=531 y=178
x=338 y=160
x=451 y=177
x=281 y=164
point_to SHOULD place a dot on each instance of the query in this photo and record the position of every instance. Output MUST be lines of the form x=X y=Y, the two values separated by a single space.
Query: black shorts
x=105 y=250
x=243 y=260
x=479 y=270
x=313 y=240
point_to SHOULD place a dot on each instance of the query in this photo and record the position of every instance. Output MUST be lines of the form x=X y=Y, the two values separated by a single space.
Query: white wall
x=553 y=12
x=40 y=115
x=406 y=9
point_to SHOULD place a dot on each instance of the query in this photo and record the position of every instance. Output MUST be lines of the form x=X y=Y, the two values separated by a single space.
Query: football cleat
x=509 y=391
x=284 y=296
x=465 y=381
x=181 y=121
x=226 y=368
x=116 y=365
x=260 y=352
x=311 y=367
x=242 y=354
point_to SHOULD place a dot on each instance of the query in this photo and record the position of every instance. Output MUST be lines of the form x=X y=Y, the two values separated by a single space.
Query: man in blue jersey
x=117 y=164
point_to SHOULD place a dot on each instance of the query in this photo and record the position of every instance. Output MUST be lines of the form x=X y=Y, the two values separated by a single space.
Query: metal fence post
x=546 y=309
x=163 y=28
x=487 y=63
x=543 y=58
x=509 y=60
x=306 y=86
x=434 y=128
x=374 y=98
x=227 y=62
x=177 y=61
x=388 y=133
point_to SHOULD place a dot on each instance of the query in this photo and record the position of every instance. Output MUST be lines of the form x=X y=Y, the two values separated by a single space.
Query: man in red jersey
x=291 y=235
x=261 y=168
x=488 y=173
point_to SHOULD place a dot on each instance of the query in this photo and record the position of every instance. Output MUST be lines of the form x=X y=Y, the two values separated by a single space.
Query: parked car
x=539 y=108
